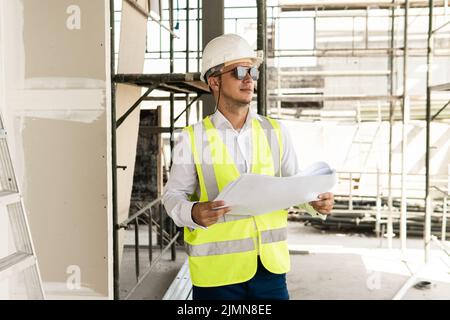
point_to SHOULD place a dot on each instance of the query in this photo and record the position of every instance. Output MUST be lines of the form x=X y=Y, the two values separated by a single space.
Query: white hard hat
x=226 y=49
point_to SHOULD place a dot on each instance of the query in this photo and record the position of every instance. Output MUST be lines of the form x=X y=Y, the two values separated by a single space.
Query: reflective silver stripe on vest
x=271 y=136
x=231 y=217
x=222 y=247
x=274 y=235
x=204 y=152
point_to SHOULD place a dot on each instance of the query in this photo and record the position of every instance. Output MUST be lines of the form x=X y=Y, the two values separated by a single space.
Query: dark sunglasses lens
x=254 y=73
x=241 y=72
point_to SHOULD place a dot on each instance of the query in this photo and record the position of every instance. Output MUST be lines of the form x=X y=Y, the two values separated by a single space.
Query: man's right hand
x=204 y=214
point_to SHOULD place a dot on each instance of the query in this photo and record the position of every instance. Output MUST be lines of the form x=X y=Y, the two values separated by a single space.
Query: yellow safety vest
x=226 y=252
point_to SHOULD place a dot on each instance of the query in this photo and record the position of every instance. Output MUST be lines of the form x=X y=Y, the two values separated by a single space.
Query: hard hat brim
x=253 y=60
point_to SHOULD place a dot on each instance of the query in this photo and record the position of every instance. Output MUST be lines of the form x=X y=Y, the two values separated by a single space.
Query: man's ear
x=214 y=83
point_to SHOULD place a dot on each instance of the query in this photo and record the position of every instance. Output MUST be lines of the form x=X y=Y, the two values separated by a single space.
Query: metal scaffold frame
x=181 y=86
x=404 y=99
x=185 y=84
x=365 y=10
x=429 y=118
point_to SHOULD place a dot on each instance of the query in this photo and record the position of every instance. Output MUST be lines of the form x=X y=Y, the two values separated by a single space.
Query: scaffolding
x=391 y=105
x=180 y=86
x=396 y=104
x=392 y=100
x=445 y=87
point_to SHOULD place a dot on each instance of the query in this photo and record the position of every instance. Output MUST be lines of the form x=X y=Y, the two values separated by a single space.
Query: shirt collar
x=221 y=122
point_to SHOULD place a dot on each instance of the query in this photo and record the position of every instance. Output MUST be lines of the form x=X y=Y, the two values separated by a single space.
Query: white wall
x=332 y=142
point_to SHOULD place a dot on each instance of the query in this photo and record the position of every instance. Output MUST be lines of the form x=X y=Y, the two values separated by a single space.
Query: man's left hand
x=325 y=204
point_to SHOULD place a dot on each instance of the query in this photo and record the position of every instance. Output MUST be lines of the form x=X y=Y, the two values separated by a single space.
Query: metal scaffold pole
x=428 y=204
x=172 y=126
x=262 y=51
x=391 y=124
x=405 y=120
x=114 y=158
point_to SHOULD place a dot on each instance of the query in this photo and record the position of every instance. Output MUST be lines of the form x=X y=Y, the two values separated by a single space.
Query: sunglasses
x=240 y=72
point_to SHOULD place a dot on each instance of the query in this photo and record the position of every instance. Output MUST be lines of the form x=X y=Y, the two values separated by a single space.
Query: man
x=232 y=257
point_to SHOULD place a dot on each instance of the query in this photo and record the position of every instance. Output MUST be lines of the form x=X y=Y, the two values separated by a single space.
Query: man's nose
x=247 y=76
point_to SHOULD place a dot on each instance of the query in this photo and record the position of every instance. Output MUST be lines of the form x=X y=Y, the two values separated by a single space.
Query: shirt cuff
x=186 y=215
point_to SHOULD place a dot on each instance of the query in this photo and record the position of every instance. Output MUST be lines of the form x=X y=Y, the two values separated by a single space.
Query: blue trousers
x=263 y=286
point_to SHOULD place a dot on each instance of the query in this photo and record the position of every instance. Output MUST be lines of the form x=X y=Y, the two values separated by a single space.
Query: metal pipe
x=304 y=14
x=150 y=236
x=350 y=194
x=173 y=253
x=319 y=98
x=135 y=105
x=161 y=228
x=125 y=223
x=262 y=52
x=375 y=5
x=353 y=33
x=165 y=234
x=172 y=106
x=405 y=119
x=315 y=30
x=440 y=110
x=378 y=204
x=440 y=27
x=150 y=129
x=115 y=228
x=444 y=219
x=440 y=244
x=187 y=59
x=391 y=124
x=198 y=35
x=136 y=248
x=187 y=36
x=339 y=73
x=142 y=11
x=150 y=79
x=428 y=209
x=349 y=5
x=163 y=98
x=187 y=108
x=330 y=53
x=366 y=31
x=198 y=54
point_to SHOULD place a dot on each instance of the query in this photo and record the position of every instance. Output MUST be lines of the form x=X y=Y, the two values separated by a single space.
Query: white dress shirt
x=183 y=179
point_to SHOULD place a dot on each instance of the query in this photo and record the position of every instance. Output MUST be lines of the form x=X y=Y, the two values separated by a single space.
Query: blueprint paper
x=255 y=194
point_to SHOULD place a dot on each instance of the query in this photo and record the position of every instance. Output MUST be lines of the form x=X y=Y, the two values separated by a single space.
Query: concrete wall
x=56 y=101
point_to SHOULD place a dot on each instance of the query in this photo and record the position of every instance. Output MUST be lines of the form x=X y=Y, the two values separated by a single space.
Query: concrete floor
x=156 y=283
x=324 y=265
x=331 y=265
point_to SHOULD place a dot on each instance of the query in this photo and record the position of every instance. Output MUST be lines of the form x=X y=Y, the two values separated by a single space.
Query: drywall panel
x=6 y=243
x=4 y=228
x=56 y=104
x=131 y=60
